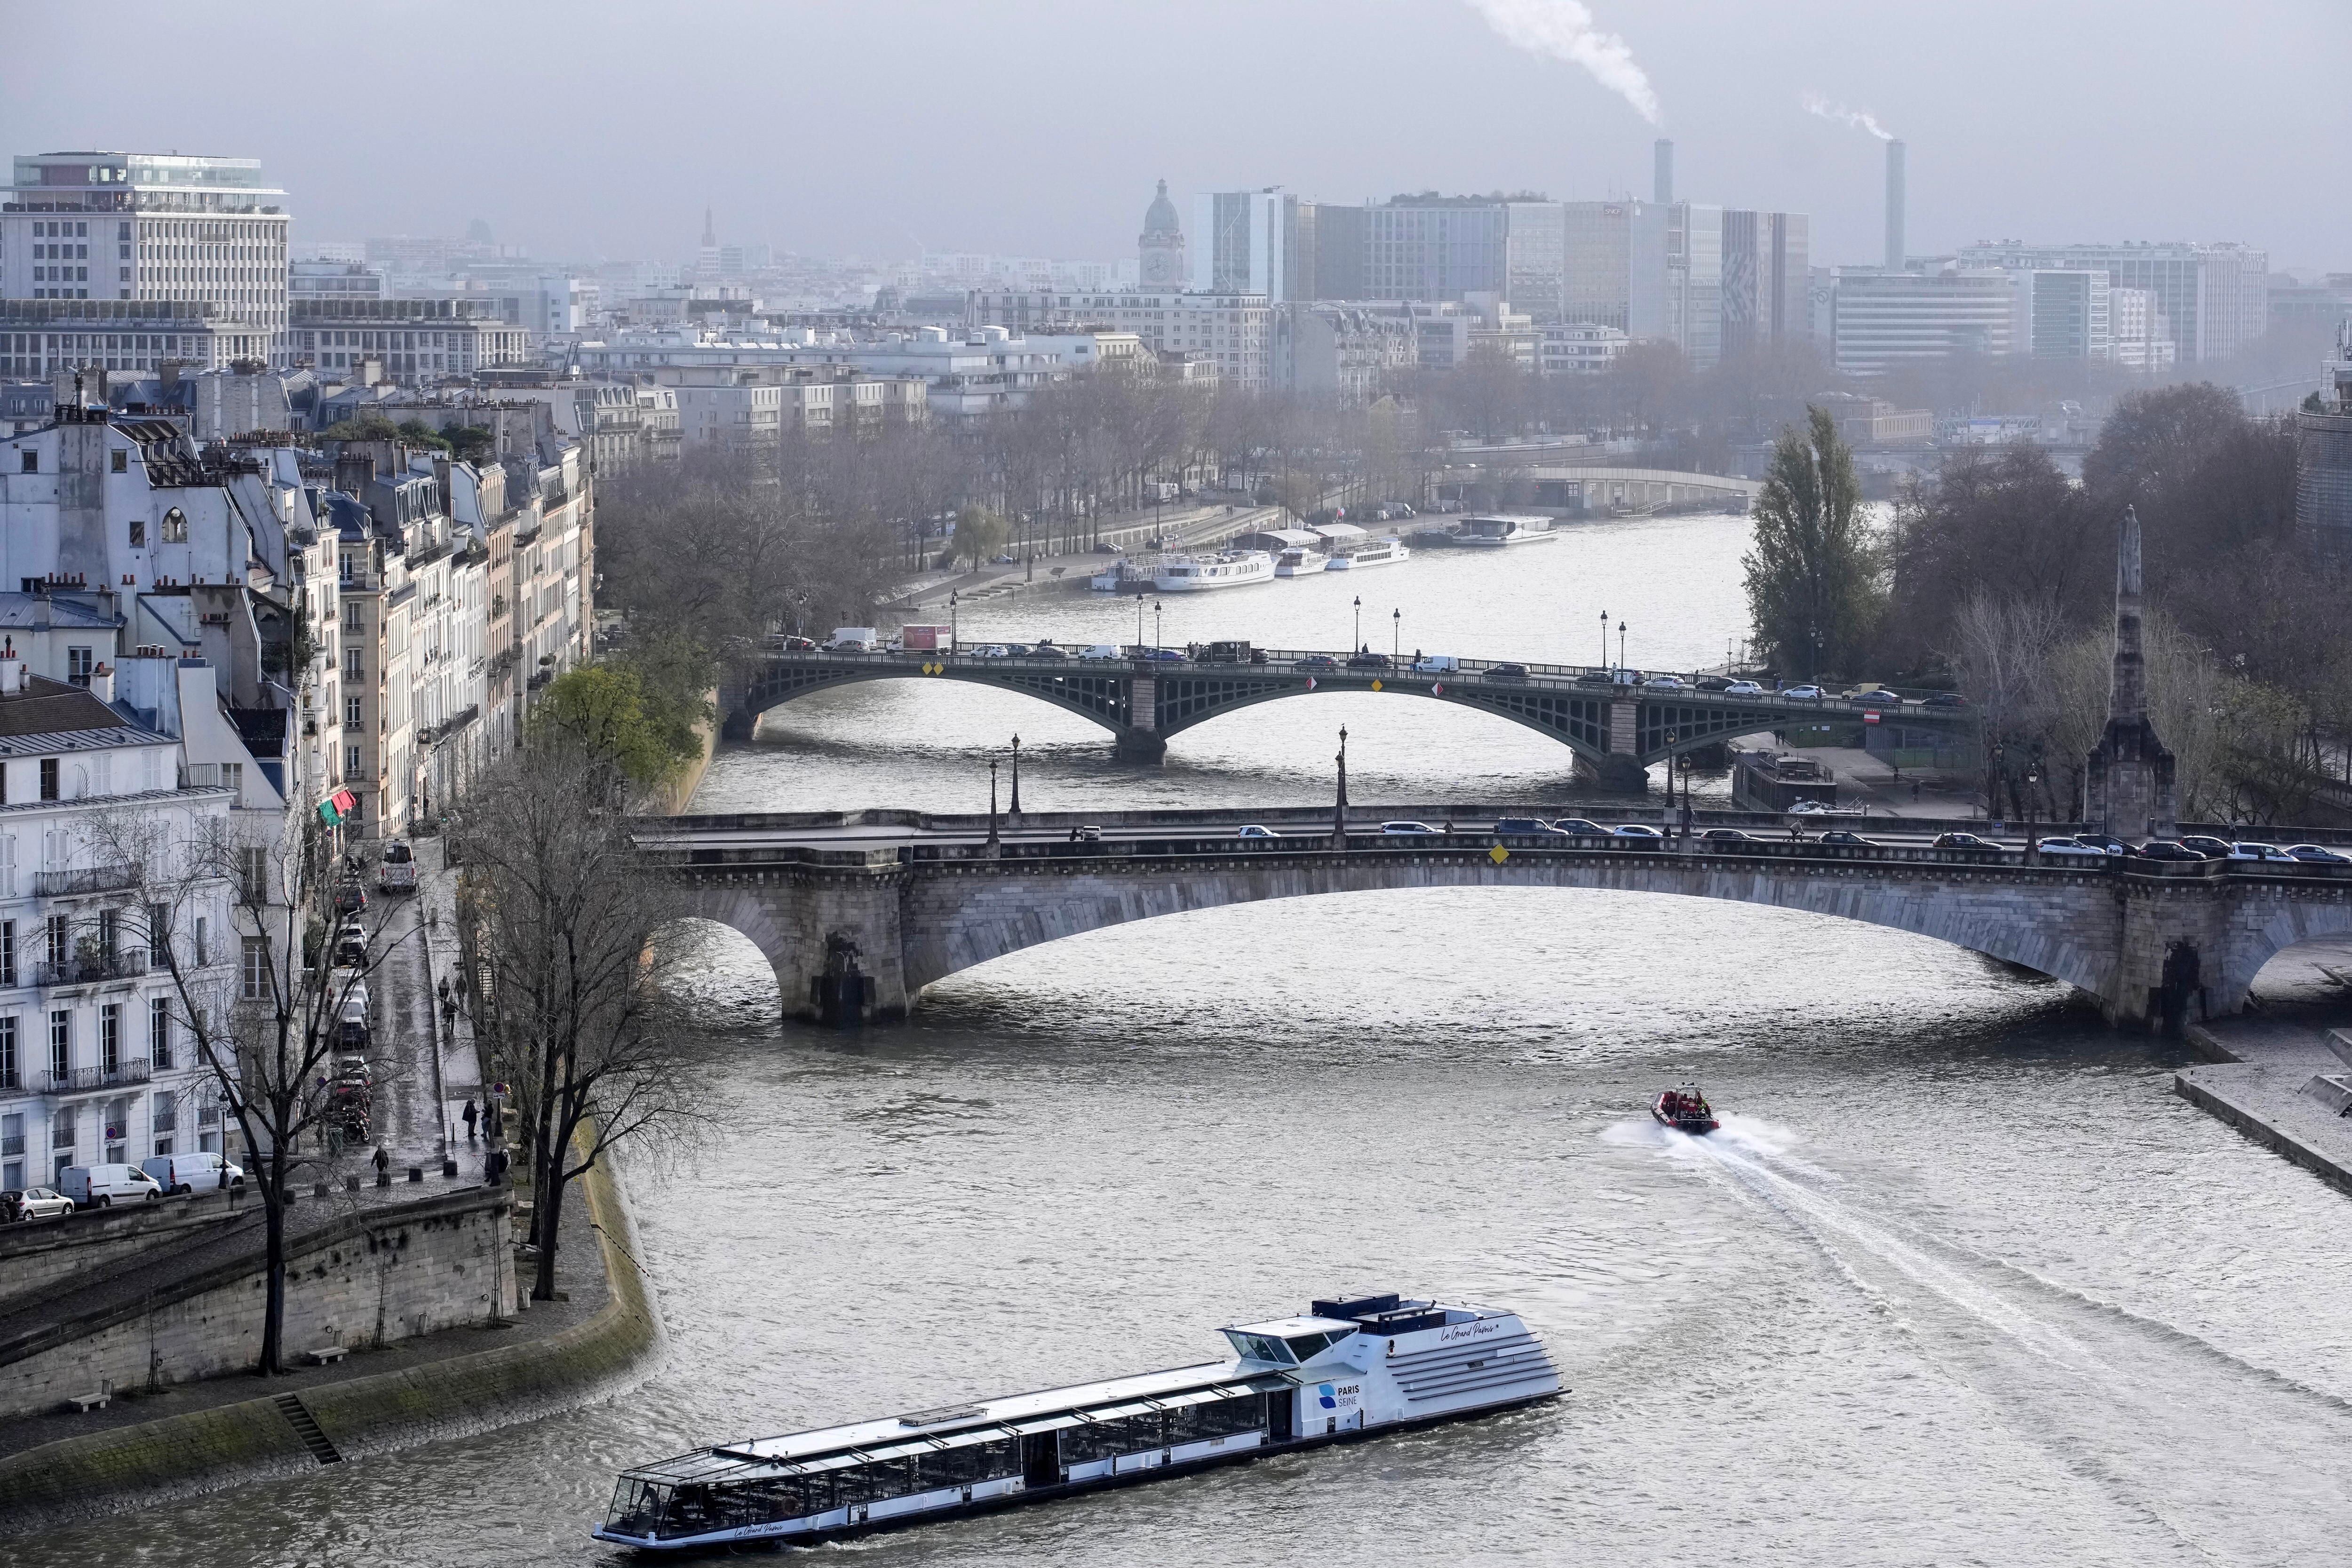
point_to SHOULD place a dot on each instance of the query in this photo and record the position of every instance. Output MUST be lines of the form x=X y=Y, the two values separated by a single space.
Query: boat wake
x=2192 y=1439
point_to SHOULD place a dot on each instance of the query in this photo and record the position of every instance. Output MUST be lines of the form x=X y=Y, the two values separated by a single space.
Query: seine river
x=1961 y=1283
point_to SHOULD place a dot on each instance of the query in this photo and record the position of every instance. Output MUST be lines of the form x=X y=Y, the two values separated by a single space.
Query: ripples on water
x=1959 y=1283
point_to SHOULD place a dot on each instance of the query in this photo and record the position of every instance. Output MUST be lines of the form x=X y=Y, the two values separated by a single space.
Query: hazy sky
x=1036 y=127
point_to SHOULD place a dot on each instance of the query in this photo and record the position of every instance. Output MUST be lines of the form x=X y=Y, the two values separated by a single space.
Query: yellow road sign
x=1498 y=853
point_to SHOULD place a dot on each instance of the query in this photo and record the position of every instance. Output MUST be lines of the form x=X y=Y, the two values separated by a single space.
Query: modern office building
x=2062 y=313
x=147 y=226
x=1767 y=263
x=1242 y=243
x=2141 y=334
x=1535 y=258
x=2323 y=466
x=1676 y=292
x=1433 y=248
x=1597 y=284
x=1883 y=320
x=2215 y=296
x=414 y=340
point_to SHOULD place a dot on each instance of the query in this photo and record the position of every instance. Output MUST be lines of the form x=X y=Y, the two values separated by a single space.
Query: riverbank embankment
x=2285 y=1084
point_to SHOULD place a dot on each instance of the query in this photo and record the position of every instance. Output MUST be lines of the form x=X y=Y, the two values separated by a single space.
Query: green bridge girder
x=1551 y=699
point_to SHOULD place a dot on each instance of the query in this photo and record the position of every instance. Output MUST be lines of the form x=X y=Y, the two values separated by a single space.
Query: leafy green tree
x=601 y=710
x=471 y=443
x=368 y=427
x=417 y=432
x=1814 y=594
x=980 y=533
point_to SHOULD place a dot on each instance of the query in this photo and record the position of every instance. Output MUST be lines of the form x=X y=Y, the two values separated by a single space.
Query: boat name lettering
x=1465 y=1331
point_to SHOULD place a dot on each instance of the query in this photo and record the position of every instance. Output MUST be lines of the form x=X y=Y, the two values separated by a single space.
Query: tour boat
x=1686 y=1109
x=1495 y=532
x=1198 y=574
x=1375 y=552
x=1349 y=1368
x=1299 y=560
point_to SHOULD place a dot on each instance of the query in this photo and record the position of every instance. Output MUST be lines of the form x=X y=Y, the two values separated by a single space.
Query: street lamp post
x=1157 y=607
x=1396 y=634
x=1604 y=639
x=2032 y=777
x=1993 y=782
x=1358 y=638
x=954 y=636
x=1139 y=619
x=993 y=840
x=1340 y=807
x=1016 y=779
x=1621 y=646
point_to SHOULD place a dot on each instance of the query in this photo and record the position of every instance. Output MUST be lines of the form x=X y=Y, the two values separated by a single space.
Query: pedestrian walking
x=383 y=1164
x=469 y=1113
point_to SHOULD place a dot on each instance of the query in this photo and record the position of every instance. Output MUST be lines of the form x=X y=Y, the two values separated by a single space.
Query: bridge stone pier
x=2164 y=940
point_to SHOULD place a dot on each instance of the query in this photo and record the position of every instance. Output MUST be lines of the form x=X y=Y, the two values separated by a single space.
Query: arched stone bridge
x=921 y=901
x=1616 y=732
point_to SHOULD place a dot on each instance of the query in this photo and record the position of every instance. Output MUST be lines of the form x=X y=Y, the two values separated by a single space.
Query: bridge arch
x=1101 y=699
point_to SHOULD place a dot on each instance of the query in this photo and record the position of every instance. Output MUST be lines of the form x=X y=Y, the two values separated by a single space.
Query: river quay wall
x=257 y=1440
x=2286 y=1086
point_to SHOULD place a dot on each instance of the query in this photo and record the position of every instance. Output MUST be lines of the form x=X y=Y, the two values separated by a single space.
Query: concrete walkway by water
x=2283 y=1074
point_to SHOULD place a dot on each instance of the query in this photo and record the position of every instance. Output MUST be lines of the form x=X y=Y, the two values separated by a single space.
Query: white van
x=854 y=639
x=1104 y=651
x=198 y=1172
x=97 y=1186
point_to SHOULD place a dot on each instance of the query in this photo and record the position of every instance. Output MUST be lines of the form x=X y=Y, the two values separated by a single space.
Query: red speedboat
x=1686 y=1109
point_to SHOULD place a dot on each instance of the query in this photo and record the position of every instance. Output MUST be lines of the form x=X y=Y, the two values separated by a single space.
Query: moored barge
x=1349 y=1368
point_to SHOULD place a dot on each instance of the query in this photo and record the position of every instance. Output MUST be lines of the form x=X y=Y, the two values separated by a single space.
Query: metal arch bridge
x=1617 y=730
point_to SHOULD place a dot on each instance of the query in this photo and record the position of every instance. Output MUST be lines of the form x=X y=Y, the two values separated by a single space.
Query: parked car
x=1666 y=683
x=1712 y=683
x=991 y=650
x=1159 y=656
x=1047 y=650
x=2205 y=844
x=1595 y=678
x=800 y=644
x=1803 y=693
x=2319 y=855
x=2107 y=843
x=198 y=1172
x=1436 y=663
x=1726 y=835
x=1317 y=662
x=1407 y=829
x=1004 y=558
x=1639 y=830
x=2063 y=848
x=1107 y=548
x=1743 y=689
x=1876 y=694
x=97 y=1186
x=1839 y=836
x=1577 y=826
x=1089 y=833
x=1524 y=825
x=1964 y=841
x=2259 y=852
x=2167 y=849
x=1254 y=830
x=1507 y=672
x=349 y=898
x=1367 y=660
x=35 y=1203
x=1945 y=699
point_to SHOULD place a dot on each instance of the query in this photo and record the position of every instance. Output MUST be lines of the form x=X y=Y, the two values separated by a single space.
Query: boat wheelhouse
x=1349 y=1367
x=1299 y=560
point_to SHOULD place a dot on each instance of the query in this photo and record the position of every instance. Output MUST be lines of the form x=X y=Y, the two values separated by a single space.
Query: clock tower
x=1162 y=244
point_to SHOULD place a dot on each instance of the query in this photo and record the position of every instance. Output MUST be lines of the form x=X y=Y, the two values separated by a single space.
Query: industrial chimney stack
x=1896 y=255
x=1663 y=184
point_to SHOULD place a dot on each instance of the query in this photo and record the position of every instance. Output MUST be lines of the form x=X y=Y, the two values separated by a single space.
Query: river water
x=1960 y=1282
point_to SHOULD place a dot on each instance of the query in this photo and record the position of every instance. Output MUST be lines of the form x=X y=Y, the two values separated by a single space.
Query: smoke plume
x=1564 y=30
x=1860 y=119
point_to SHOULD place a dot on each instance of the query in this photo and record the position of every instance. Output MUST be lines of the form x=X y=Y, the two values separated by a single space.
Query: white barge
x=1496 y=530
x=1348 y=1369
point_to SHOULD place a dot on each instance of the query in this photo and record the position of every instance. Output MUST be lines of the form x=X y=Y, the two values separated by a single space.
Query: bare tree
x=567 y=920
x=261 y=987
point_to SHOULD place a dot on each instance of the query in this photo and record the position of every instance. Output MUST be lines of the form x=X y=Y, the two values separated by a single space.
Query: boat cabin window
x=1163 y=1428
x=1258 y=1347
x=1306 y=1347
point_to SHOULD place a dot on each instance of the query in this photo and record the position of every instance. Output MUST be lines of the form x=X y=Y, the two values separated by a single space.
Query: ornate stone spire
x=2127 y=780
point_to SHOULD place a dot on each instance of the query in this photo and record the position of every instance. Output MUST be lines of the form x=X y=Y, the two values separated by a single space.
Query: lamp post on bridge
x=1604 y=639
x=1157 y=607
x=954 y=637
x=1621 y=646
x=1138 y=621
x=993 y=840
x=1358 y=638
x=1340 y=808
x=1396 y=634
x=1016 y=781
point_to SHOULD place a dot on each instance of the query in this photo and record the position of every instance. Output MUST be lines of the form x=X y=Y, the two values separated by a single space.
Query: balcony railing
x=128 y=1070
x=88 y=880
x=123 y=964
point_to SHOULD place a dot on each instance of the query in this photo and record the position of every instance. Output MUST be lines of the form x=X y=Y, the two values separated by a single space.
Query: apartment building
x=412 y=340
x=94 y=1064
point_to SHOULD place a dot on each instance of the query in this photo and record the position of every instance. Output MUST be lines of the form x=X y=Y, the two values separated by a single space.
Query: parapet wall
x=380 y=1275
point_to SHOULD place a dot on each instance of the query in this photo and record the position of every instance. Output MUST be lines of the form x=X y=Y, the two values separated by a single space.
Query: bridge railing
x=1594 y=680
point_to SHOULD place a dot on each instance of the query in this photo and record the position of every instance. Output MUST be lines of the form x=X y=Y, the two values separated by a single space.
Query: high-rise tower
x=1897 y=254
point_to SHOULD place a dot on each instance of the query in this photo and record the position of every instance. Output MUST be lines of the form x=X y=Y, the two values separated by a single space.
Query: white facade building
x=1580 y=348
x=2141 y=332
x=94 y=1064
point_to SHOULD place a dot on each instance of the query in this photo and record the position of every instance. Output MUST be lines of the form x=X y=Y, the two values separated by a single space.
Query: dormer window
x=175 y=527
